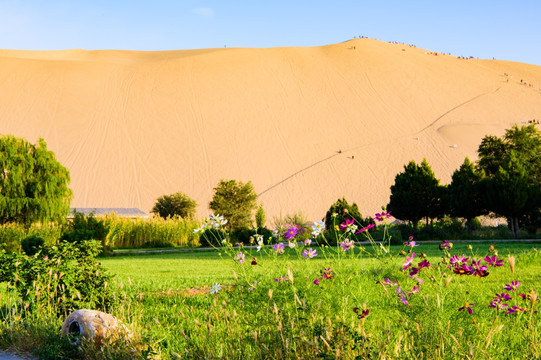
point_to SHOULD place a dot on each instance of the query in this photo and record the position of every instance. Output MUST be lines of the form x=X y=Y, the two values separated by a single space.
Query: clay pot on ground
x=91 y=325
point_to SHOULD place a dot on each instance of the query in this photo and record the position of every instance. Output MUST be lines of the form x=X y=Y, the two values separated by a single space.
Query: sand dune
x=132 y=126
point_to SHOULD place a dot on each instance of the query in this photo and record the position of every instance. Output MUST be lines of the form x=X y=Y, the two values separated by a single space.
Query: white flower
x=291 y=245
x=215 y=288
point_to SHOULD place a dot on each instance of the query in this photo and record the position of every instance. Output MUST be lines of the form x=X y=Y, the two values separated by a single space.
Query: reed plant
x=151 y=232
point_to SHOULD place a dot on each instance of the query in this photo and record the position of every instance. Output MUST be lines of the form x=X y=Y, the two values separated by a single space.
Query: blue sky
x=506 y=30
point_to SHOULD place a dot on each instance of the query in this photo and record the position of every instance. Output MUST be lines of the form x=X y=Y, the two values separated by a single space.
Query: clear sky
x=506 y=30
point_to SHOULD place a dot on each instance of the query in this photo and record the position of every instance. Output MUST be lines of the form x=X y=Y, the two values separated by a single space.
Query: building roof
x=124 y=212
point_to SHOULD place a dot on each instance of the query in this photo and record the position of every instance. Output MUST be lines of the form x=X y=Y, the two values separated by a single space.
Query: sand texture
x=306 y=125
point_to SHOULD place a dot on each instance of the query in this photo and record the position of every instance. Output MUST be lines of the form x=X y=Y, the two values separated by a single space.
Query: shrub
x=337 y=214
x=62 y=277
x=85 y=228
x=260 y=217
x=212 y=237
x=178 y=204
x=32 y=244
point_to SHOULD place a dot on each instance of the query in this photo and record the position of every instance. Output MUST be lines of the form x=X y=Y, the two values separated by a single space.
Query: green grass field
x=300 y=319
x=166 y=302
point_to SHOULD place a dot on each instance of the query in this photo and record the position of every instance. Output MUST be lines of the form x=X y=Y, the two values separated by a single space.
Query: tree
x=513 y=168
x=416 y=194
x=33 y=184
x=178 y=204
x=512 y=192
x=464 y=195
x=235 y=201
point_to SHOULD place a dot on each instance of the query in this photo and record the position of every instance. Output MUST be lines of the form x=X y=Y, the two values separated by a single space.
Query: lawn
x=255 y=316
x=238 y=303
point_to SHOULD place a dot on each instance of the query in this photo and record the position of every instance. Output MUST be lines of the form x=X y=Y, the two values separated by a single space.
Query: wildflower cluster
x=501 y=301
x=326 y=274
x=213 y=221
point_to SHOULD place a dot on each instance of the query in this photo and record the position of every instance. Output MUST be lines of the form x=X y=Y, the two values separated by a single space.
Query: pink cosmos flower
x=514 y=309
x=409 y=259
x=347 y=245
x=345 y=225
x=493 y=261
x=291 y=232
x=366 y=228
x=316 y=281
x=278 y=248
x=309 y=253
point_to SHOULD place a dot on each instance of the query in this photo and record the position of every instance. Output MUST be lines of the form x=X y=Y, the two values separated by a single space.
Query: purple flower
x=478 y=269
x=493 y=261
x=409 y=259
x=512 y=287
x=411 y=243
x=467 y=306
x=446 y=245
x=497 y=305
x=327 y=273
x=414 y=271
x=316 y=281
x=514 y=309
x=307 y=242
x=278 y=248
x=415 y=289
x=361 y=314
x=347 y=245
x=502 y=297
x=283 y=278
x=254 y=261
x=464 y=270
x=455 y=260
x=383 y=215
x=404 y=300
x=424 y=264
x=389 y=282
x=309 y=253
x=291 y=232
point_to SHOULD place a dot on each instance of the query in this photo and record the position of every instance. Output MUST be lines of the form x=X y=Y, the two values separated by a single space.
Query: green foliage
x=33 y=184
x=235 y=201
x=62 y=277
x=416 y=194
x=246 y=236
x=154 y=231
x=32 y=244
x=465 y=195
x=338 y=213
x=513 y=167
x=260 y=217
x=211 y=237
x=178 y=204
x=11 y=235
x=83 y=228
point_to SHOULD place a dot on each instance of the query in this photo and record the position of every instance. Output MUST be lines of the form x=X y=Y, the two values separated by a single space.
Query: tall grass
x=151 y=232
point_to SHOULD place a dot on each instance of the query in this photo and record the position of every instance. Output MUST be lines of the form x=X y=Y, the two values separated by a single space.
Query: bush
x=298 y=220
x=337 y=214
x=32 y=244
x=178 y=204
x=212 y=237
x=85 y=228
x=246 y=236
x=63 y=277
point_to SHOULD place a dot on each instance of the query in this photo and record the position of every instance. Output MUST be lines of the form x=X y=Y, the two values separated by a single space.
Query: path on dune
x=340 y=152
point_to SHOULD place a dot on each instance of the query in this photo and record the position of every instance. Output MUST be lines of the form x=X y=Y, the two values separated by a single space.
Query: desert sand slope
x=132 y=126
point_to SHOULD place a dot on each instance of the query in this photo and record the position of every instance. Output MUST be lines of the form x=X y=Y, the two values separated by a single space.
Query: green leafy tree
x=178 y=204
x=513 y=168
x=235 y=201
x=464 y=194
x=416 y=194
x=512 y=192
x=33 y=184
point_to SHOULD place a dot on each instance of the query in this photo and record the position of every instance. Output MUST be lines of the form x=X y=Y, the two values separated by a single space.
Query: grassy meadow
x=301 y=300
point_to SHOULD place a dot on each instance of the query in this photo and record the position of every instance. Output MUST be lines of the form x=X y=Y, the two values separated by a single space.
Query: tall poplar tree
x=33 y=184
